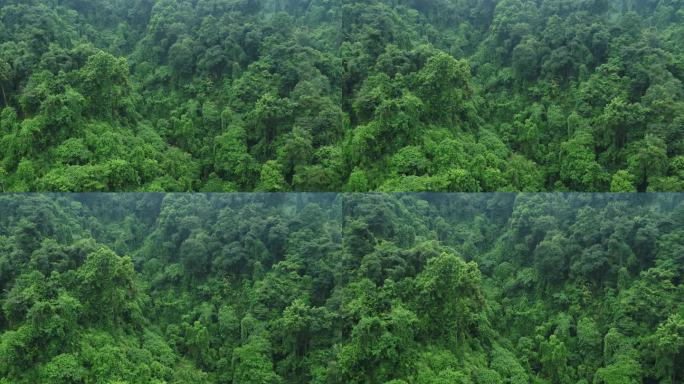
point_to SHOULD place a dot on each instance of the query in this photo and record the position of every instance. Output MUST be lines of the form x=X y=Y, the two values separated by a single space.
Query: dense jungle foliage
x=341 y=95
x=332 y=288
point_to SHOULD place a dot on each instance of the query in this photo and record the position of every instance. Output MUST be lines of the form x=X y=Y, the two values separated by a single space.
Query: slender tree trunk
x=4 y=97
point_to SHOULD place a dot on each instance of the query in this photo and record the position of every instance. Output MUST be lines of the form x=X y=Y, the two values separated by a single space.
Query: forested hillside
x=341 y=95
x=331 y=288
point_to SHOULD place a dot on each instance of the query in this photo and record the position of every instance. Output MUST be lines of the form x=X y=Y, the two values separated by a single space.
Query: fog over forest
x=341 y=191
x=341 y=95
x=342 y=288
